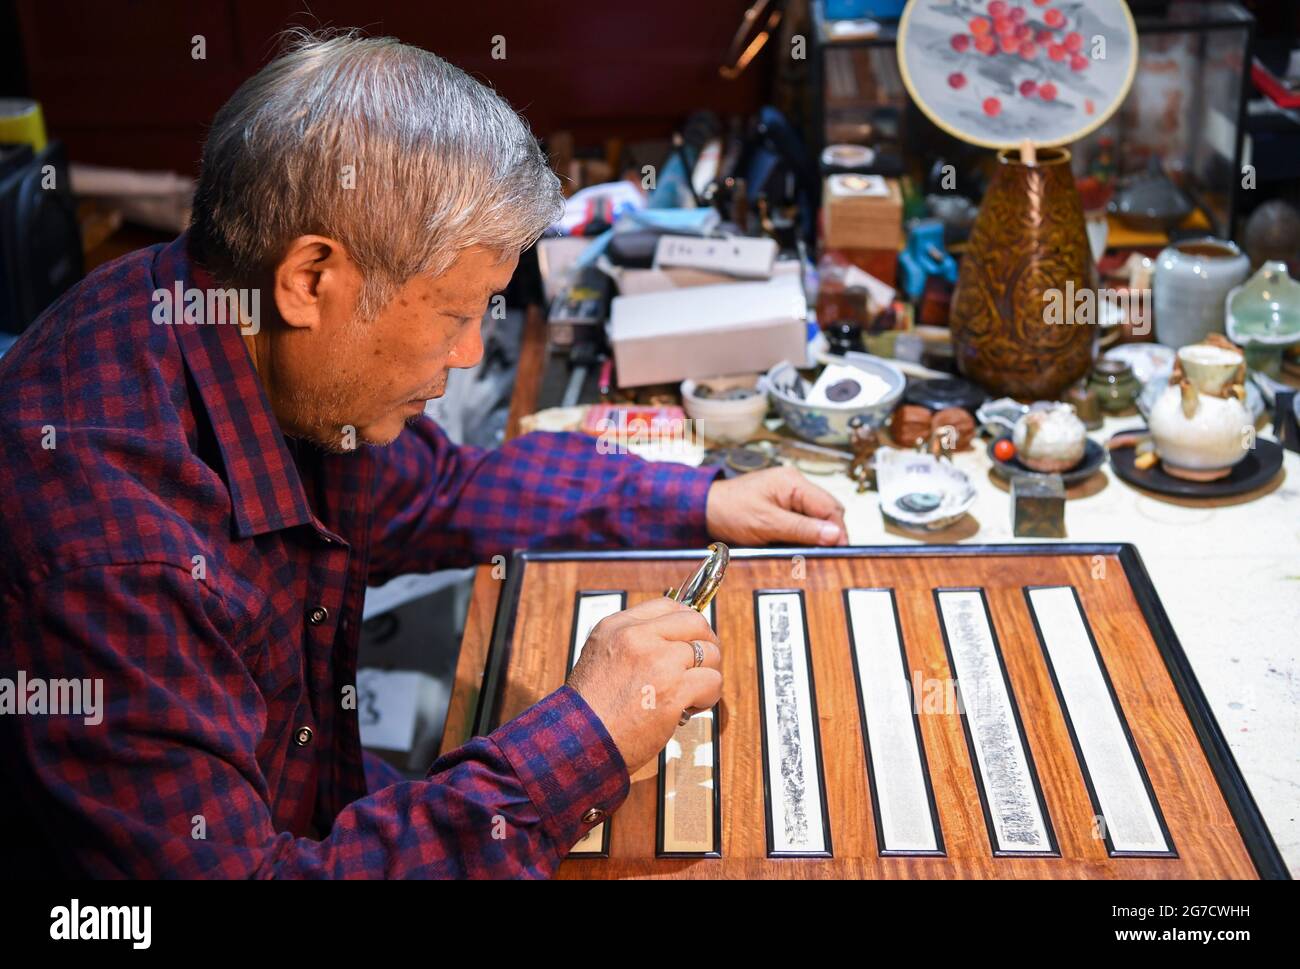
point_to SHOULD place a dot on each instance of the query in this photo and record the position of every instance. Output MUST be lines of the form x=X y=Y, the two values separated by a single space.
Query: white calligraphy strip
x=592 y=607
x=899 y=783
x=796 y=820
x=1012 y=801
x=688 y=793
x=1115 y=777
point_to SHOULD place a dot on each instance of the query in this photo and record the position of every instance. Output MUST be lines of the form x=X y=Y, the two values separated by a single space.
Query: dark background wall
x=118 y=84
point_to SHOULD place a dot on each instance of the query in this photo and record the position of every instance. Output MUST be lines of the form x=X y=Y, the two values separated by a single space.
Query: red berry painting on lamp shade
x=995 y=72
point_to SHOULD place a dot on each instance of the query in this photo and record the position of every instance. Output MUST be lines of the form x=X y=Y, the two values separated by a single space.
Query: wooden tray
x=1021 y=783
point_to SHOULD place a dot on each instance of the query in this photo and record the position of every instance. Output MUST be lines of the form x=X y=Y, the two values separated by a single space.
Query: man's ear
x=312 y=271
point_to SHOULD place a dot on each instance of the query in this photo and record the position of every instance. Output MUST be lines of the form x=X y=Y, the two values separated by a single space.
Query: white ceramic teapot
x=1201 y=424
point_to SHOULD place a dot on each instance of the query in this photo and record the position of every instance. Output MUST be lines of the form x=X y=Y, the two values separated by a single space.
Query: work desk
x=1228 y=576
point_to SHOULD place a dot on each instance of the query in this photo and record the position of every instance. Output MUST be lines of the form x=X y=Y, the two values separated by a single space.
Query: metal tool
x=698 y=591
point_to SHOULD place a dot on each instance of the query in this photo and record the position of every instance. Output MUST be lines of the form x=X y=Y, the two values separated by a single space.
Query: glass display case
x=1184 y=113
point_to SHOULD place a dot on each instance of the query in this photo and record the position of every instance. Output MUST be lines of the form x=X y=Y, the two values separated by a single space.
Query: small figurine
x=864 y=441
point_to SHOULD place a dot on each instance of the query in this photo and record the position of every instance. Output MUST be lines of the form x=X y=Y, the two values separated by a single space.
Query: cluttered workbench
x=1059 y=409
x=1225 y=570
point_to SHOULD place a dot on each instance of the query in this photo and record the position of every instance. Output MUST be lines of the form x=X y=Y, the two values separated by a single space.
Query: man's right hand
x=637 y=674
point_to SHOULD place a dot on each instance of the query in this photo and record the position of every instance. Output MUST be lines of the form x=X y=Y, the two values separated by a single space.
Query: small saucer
x=1257 y=468
x=1094 y=459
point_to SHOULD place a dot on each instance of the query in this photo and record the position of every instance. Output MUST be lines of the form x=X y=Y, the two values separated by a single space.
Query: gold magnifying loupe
x=698 y=591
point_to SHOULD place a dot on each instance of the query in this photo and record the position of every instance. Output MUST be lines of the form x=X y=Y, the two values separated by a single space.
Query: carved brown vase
x=1028 y=241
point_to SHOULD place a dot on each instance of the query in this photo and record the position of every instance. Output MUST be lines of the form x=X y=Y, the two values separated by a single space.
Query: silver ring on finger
x=698 y=646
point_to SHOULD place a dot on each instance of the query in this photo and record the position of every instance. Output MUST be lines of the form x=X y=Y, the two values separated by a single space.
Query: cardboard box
x=708 y=331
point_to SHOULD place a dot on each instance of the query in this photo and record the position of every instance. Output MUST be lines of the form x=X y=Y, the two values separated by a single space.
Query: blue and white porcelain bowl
x=829 y=423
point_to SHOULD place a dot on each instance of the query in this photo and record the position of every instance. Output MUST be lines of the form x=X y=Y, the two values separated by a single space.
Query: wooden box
x=900 y=712
x=854 y=221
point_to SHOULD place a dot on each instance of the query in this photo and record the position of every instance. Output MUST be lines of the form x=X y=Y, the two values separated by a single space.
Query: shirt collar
x=266 y=491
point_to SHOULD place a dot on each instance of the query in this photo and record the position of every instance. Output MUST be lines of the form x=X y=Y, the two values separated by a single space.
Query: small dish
x=1257 y=469
x=920 y=491
x=1094 y=459
x=1003 y=413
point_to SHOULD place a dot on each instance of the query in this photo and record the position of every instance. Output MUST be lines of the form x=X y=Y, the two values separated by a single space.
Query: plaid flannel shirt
x=161 y=536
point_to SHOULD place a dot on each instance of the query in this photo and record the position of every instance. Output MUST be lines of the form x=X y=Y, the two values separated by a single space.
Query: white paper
x=1130 y=817
x=592 y=608
x=387 y=701
x=1018 y=822
x=898 y=773
x=793 y=760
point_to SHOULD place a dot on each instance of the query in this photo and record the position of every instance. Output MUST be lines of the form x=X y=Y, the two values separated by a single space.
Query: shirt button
x=594 y=816
x=302 y=736
x=318 y=615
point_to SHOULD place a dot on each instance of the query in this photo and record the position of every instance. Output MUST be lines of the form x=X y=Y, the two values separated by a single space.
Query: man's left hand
x=775 y=506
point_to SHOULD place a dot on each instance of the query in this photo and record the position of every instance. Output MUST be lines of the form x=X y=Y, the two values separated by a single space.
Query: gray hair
x=439 y=163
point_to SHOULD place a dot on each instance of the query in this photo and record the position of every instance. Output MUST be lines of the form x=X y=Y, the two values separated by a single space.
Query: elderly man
x=192 y=511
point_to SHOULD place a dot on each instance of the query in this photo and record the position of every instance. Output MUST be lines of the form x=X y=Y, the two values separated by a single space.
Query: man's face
x=375 y=375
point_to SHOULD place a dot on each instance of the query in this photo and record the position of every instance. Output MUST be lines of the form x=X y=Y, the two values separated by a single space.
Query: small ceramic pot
x=1050 y=438
x=1192 y=280
x=1199 y=434
x=729 y=420
x=1114 y=384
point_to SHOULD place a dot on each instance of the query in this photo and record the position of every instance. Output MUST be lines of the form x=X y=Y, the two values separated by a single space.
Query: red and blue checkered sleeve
x=440 y=505
x=162 y=777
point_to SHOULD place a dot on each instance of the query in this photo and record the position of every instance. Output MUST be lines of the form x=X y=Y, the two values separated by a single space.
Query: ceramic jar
x=1201 y=428
x=1263 y=316
x=1114 y=384
x=1050 y=438
x=1028 y=244
x=1192 y=279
